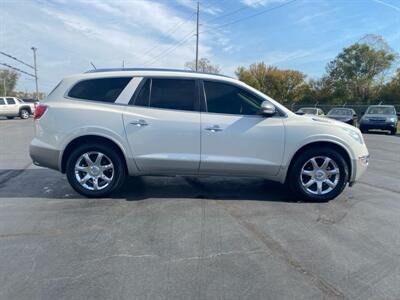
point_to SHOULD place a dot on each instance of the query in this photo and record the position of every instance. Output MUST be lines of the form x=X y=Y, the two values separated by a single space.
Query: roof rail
x=151 y=69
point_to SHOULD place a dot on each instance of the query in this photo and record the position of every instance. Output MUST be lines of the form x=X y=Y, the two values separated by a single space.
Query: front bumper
x=43 y=155
x=380 y=126
x=360 y=165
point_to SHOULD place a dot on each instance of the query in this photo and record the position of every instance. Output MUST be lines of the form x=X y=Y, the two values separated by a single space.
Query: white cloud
x=256 y=3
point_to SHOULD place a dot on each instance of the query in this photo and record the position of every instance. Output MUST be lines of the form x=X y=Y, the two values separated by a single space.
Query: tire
x=10 y=118
x=24 y=114
x=115 y=176
x=303 y=165
x=393 y=131
x=363 y=130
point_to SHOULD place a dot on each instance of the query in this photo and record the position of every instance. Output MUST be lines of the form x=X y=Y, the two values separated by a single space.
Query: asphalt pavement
x=195 y=238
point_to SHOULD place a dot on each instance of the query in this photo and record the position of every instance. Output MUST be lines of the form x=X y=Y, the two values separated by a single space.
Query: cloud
x=204 y=8
x=256 y=3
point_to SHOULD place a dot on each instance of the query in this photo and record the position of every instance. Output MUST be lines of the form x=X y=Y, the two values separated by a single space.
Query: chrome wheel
x=319 y=175
x=94 y=171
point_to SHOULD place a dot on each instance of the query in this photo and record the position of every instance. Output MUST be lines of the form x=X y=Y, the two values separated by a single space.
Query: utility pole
x=35 y=68
x=5 y=88
x=197 y=36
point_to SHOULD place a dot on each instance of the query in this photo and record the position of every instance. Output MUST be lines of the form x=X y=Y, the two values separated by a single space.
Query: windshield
x=340 y=112
x=380 y=110
x=311 y=111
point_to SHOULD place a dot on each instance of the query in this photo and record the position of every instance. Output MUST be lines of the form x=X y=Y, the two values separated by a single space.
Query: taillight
x=39 y=111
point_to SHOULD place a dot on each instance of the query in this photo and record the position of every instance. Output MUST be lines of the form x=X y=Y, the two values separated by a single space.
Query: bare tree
x=204 y=66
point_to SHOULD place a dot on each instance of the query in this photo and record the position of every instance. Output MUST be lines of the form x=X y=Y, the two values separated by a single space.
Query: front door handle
x=139 y=123
x=214 y=128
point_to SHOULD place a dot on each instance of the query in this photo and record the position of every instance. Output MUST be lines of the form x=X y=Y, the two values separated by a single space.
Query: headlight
x=355 y=135
x=391 y=119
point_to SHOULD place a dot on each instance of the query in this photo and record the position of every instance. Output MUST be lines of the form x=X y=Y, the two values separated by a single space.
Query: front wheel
x=318 y=174
x=95 y=170
x=393 y=131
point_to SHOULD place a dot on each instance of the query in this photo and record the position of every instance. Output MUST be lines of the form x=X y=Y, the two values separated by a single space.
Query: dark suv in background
x=346 y=115
x=381 y=117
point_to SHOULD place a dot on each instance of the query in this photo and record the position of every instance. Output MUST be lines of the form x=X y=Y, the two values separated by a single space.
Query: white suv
x=12 y=107
x=100 y=126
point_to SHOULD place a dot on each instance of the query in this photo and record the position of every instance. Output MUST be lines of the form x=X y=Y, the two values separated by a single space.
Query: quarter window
x=179 y=94
x=99 y=89
x=2 y=102
x=228 y=99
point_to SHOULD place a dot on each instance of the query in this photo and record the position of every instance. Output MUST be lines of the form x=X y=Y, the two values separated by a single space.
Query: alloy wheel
x=94 y=171
x=319 y=175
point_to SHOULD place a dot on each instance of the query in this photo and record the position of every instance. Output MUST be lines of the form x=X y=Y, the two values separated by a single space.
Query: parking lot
x=191 y=238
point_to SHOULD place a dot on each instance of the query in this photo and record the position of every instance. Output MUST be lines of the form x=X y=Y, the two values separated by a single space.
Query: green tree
x=390 y=92
x=204 y=66
x=356 y=71
x=285 y=86
x=8 y=81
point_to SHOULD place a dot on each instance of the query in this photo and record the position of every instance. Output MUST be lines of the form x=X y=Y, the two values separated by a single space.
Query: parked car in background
x=32 y=103
x=346 y=115
x=381 y=117
x=103 y=125
x=310 y=111
x=12 y=107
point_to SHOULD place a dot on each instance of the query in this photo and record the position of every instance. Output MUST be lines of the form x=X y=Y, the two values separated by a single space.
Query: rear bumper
x=44 y=156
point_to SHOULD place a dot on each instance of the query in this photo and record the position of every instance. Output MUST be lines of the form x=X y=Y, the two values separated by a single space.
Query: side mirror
x=398 y=113
x=355 y=115
x=267 y=109
x=363 y=113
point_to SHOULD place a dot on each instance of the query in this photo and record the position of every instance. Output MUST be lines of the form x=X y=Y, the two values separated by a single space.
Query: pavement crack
x=278 y=251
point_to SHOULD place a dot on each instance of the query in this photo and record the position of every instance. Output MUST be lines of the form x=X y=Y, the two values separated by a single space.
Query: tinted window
x=173 y=94
x=10 y=100
x=101 y=89
x=143 y=97
x=228 y=99
x=2 y=102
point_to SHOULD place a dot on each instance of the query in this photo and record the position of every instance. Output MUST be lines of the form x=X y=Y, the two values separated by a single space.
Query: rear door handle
x=139 y=123
x=214 y=128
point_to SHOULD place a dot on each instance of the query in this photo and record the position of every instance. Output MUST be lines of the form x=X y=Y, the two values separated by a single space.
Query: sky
x=293 y=34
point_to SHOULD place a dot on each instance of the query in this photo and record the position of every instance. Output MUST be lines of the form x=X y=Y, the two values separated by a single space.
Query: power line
x=16 y=59
x=171 y=49
x=16 y=69
x=169 y=33
x=251 y=16
x=242 y=7
x=197 y=34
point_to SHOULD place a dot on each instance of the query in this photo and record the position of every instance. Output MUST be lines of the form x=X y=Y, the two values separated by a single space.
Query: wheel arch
x=89 y=139
x=339 y=148
x=27 y=107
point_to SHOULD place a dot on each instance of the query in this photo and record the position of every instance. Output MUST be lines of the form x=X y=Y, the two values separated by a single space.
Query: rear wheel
x=95 y=170
x=318 y=174
x=24 y=114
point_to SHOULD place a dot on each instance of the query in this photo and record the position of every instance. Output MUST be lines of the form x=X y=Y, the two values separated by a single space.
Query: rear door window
x=10 y=101
x=166 y=93
x=99 y=89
